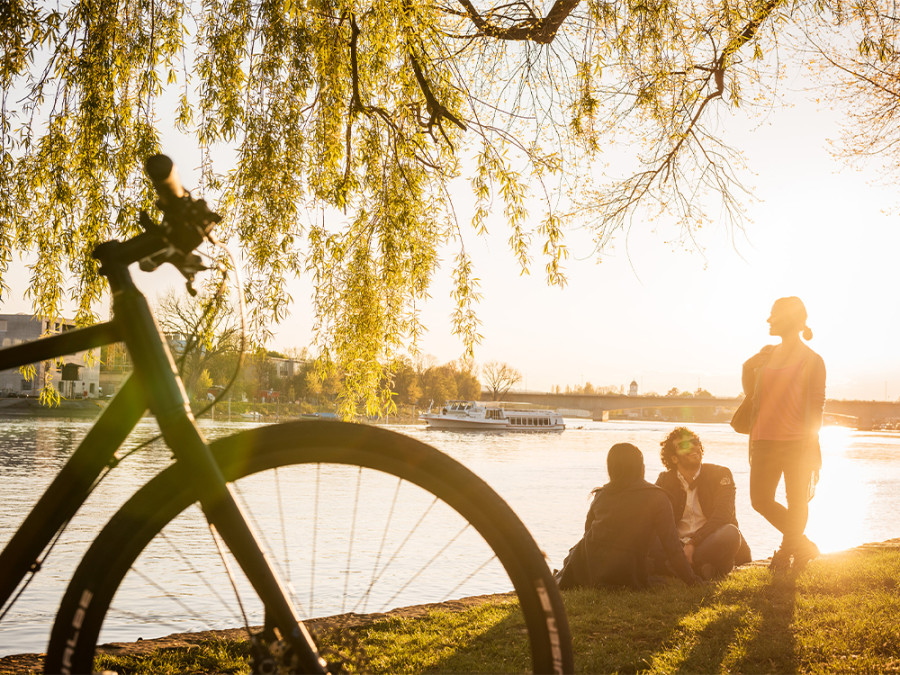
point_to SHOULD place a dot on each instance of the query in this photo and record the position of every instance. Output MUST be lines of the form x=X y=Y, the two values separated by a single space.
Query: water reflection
x=841 y=506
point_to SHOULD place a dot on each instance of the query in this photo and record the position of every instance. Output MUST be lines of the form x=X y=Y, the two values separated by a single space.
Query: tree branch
x=436 y=109
x=535 y=29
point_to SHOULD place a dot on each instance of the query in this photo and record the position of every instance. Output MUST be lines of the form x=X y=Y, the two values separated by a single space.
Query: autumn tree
x=467 y=385
x=340 y=130
x=405 y=383
x=499 y=378
x=439 y=384
x=204 y=337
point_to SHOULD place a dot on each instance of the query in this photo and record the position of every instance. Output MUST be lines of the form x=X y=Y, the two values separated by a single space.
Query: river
x=546 y=478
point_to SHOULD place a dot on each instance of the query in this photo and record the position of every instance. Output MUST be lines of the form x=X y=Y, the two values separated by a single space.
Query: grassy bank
x=841 y=614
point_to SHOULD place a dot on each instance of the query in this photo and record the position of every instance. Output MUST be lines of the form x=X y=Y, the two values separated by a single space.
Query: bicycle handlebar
x=162 y=172
x=186 y=223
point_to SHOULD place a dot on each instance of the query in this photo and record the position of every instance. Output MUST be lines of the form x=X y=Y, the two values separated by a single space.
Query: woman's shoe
x=805 y=552
x=781 y=561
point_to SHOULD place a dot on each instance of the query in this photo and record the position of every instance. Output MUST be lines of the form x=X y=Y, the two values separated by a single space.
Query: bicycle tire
x=300 y=446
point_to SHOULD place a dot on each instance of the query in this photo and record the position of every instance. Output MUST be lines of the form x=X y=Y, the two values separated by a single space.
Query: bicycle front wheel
x=356 y=519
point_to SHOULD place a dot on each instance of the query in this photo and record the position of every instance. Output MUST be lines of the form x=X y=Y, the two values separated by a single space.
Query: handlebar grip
x=164 y=176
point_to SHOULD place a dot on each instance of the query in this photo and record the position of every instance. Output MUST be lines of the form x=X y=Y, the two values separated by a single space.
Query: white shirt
x=692 y=519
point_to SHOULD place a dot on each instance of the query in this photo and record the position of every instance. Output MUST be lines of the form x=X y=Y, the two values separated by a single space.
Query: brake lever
x=189 y=264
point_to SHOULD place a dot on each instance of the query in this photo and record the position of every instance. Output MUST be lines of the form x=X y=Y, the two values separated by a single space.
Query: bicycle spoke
x=196 y=573
x=426 y=565
x=406 y=539
x=384 y=536
x=352 y=539
x=453 y=591
x=172 y=625
x=281 y=520
x=315 y=532
x=282 y=566
x=237 y=594
x=178 y=601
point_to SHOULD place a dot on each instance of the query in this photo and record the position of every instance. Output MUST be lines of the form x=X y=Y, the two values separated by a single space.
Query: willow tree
x=348 y=126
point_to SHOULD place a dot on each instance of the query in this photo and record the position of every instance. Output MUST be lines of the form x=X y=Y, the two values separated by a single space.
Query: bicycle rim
x=356 y=519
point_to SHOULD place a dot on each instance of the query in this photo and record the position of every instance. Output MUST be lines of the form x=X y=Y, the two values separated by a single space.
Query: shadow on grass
x=490 y=638
x=742 y=624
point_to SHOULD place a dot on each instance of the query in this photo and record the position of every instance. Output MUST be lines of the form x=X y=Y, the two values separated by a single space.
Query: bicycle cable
x=207 y=312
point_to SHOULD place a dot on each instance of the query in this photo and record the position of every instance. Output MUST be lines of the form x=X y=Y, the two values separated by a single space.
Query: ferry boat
x=473 y=416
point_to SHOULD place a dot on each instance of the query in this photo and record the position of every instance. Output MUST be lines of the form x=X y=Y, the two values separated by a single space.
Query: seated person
x=627 y=515
x=702 y=497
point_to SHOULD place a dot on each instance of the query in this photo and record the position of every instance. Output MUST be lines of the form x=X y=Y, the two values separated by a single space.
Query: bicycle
x=211 y=495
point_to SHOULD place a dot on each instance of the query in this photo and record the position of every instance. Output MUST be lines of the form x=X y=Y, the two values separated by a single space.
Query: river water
x=545 y=477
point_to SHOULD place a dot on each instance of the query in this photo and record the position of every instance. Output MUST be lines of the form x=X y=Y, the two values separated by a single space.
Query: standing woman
x=786 y=384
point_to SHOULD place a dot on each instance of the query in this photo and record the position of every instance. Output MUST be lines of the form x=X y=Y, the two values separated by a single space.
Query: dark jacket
x=715 y=492
x=621 y=524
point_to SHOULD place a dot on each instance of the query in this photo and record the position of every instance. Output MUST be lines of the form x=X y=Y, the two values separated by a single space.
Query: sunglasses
x=686 y=446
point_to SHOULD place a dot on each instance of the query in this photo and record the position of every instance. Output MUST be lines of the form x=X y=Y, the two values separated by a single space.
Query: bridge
x=865 y=413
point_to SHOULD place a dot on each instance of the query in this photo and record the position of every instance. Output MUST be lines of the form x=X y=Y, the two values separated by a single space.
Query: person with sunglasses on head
x=785 y=384
x=702 y=497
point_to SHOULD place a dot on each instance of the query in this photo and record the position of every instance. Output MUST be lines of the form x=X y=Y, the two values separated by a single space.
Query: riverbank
x=80 y=408
x=231 y=411
x=841 y=614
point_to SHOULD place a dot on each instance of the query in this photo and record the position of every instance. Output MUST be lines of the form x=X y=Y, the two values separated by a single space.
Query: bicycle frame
x=155 y=384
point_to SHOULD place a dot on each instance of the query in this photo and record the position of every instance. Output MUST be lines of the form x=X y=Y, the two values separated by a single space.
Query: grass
x=841 y=614
x=212 y=656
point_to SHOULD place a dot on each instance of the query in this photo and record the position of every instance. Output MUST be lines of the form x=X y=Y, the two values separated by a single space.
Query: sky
x=665 y=316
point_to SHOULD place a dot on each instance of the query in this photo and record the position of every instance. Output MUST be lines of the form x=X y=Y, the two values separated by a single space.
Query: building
x=285 y=367
x=633 y=388
x=74 y=376
x=115 y=368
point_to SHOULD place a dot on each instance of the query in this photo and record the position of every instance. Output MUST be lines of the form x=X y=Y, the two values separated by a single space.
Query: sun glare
x=837 y=513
